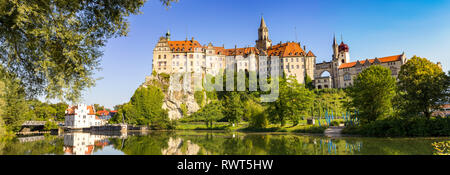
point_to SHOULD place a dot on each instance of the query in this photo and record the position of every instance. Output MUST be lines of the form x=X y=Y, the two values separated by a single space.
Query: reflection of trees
x=49 y=145
x=441 y=148
x=150 y=144
x=266 y=144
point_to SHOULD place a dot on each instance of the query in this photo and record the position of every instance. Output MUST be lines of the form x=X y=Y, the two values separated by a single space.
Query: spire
x=263 y=23
x=168 y=35
x=334 y=40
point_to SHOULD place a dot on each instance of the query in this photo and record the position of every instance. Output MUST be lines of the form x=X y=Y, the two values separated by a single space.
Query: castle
x=294 y=60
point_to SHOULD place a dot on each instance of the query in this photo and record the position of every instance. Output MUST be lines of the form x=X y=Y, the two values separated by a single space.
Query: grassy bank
x=244 y=127
x=416 y=127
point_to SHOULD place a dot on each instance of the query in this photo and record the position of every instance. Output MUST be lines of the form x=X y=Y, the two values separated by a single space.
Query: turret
x=168 y=35
x=263 y=42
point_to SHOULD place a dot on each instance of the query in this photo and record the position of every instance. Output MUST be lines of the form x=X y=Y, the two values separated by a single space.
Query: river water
x=218 y=143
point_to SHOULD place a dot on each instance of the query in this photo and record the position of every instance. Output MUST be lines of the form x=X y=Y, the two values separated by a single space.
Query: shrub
x=411 y=127
x=335 y=123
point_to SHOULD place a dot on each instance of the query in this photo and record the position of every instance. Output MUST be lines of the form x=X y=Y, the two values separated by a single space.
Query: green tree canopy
x=293 y=101
x=13 y=105
x=145 y=108
x=423 y=87
x=372 y=93
x=54 y=46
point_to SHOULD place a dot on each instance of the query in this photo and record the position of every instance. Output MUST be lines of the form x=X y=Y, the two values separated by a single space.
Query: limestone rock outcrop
x=175 y=102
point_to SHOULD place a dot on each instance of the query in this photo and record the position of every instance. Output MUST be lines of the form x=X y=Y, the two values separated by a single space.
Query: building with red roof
x=190 y=56
x=340 y=72
x=81 y=116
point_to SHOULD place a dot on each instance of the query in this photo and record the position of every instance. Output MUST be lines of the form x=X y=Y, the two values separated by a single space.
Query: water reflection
x=219 y=143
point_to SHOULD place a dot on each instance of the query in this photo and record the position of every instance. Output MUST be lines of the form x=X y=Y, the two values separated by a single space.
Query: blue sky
x=372 y=29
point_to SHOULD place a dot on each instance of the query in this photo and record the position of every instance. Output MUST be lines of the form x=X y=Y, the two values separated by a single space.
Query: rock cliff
x=178 y=103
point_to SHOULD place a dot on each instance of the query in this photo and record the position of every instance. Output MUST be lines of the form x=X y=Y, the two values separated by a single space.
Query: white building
x=83 y=143
x=82 y=116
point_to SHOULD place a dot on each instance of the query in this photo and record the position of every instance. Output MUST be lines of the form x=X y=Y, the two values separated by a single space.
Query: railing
x=38 y=123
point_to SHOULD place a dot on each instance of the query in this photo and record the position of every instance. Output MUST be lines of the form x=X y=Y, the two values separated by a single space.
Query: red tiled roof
x=382 y=60
x=71 y=110
x=286 y=50
x=310 y=54
x=91 y=110
x=102 y=113
x=184 y=46
x=241 y=51
x=90 y=149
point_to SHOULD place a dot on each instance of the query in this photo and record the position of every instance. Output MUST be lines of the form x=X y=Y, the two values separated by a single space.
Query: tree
x=210 y=113
x=423 y=87
x=372 y=93
x=14 y=102
x=308 y=82
x=145 y=108
x=234 y=108
x=54 y=46
x=258 y=116
x=60 y=110
x=293 y=101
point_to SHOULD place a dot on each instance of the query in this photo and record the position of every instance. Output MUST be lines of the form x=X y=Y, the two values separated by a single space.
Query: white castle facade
x=294 y=60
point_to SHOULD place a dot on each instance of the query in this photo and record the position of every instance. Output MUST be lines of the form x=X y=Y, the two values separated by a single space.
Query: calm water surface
x=219 y=143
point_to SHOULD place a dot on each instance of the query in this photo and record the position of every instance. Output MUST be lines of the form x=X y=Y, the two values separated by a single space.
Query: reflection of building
x=83 y=143
x=340 y=72
x=444 y=112
x=82 y=116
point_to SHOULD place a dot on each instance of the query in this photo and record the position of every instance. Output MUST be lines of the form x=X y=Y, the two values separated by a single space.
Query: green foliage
x=184 y=110
x=335 y=100
x=423 y=87
x=309 y=83
x=335 y=123
x=199 y=96
x=54 y=47
x=233 y=108
x=12 y=97
x=145 y=108
x=258 y=116
x=372 y=93
x=50 y=125
x=294 y=100
x=403 y=127
x=209 y=114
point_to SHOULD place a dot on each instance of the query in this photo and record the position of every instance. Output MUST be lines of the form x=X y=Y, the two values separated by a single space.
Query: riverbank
x=412 y=127
x=302 y=127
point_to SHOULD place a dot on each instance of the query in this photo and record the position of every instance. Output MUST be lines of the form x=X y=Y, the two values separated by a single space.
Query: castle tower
x=263 y=41
x=344 y=55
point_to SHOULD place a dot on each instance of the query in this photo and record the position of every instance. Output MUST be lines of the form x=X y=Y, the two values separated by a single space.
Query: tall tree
x=54 y=46
x=145 y=107
x=372 y=93
x=423 y=87
x=12 y=96
x=293 y=100
x=234 y=107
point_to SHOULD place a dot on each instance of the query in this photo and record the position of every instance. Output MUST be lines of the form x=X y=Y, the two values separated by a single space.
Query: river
x=218 y=143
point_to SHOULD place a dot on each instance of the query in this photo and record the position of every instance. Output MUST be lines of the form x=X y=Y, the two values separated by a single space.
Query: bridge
x=37 y=123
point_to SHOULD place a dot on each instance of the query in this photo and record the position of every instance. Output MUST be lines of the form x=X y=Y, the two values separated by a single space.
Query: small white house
x=82 y=116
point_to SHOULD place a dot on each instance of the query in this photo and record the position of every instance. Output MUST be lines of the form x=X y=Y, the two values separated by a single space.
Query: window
x=347 y=77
